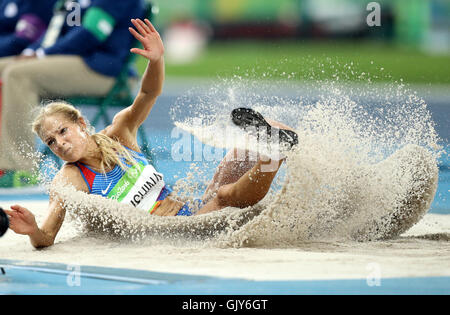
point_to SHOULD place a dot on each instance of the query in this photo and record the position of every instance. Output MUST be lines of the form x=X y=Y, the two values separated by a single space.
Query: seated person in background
x=70 y=59
x=22 y=22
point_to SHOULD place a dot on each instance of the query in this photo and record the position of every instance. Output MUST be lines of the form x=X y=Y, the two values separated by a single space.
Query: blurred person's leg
x=4 y=62
x=25 y=84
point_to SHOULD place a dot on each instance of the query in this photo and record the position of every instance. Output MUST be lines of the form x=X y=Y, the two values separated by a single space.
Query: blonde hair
x=111 y=151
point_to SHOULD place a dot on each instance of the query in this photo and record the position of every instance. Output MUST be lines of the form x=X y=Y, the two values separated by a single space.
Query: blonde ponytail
x=111 y=151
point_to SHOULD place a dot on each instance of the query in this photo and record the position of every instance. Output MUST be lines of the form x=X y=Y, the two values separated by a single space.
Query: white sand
x=406 y=256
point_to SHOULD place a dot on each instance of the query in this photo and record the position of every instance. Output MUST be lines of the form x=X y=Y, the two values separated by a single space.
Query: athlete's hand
x=21 y=220
x=147 y=35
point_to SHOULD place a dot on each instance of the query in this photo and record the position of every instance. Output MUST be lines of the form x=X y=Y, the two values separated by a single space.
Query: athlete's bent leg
x=234 y=165
x=247 y=191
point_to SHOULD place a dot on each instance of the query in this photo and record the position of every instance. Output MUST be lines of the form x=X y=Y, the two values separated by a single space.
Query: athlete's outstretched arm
x=22 y=221
x=153 y=79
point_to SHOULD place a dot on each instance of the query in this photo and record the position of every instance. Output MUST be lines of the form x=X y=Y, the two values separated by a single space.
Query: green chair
x=120 y=95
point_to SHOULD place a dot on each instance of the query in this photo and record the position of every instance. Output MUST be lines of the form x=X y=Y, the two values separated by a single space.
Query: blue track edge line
x=27 y=278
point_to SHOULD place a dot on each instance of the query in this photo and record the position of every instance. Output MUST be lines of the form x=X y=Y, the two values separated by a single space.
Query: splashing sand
x=360 y=172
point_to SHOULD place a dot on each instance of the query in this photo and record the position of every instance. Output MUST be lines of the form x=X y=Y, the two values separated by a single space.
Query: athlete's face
x=68 y=140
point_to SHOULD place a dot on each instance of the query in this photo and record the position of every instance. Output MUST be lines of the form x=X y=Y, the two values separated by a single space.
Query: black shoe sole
x=247 y=117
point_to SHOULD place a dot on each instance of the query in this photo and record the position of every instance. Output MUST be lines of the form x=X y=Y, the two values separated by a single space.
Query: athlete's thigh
x=219 y=201
x=235 y=164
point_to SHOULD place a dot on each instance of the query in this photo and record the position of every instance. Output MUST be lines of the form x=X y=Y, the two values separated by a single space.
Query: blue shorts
x=188 y=210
